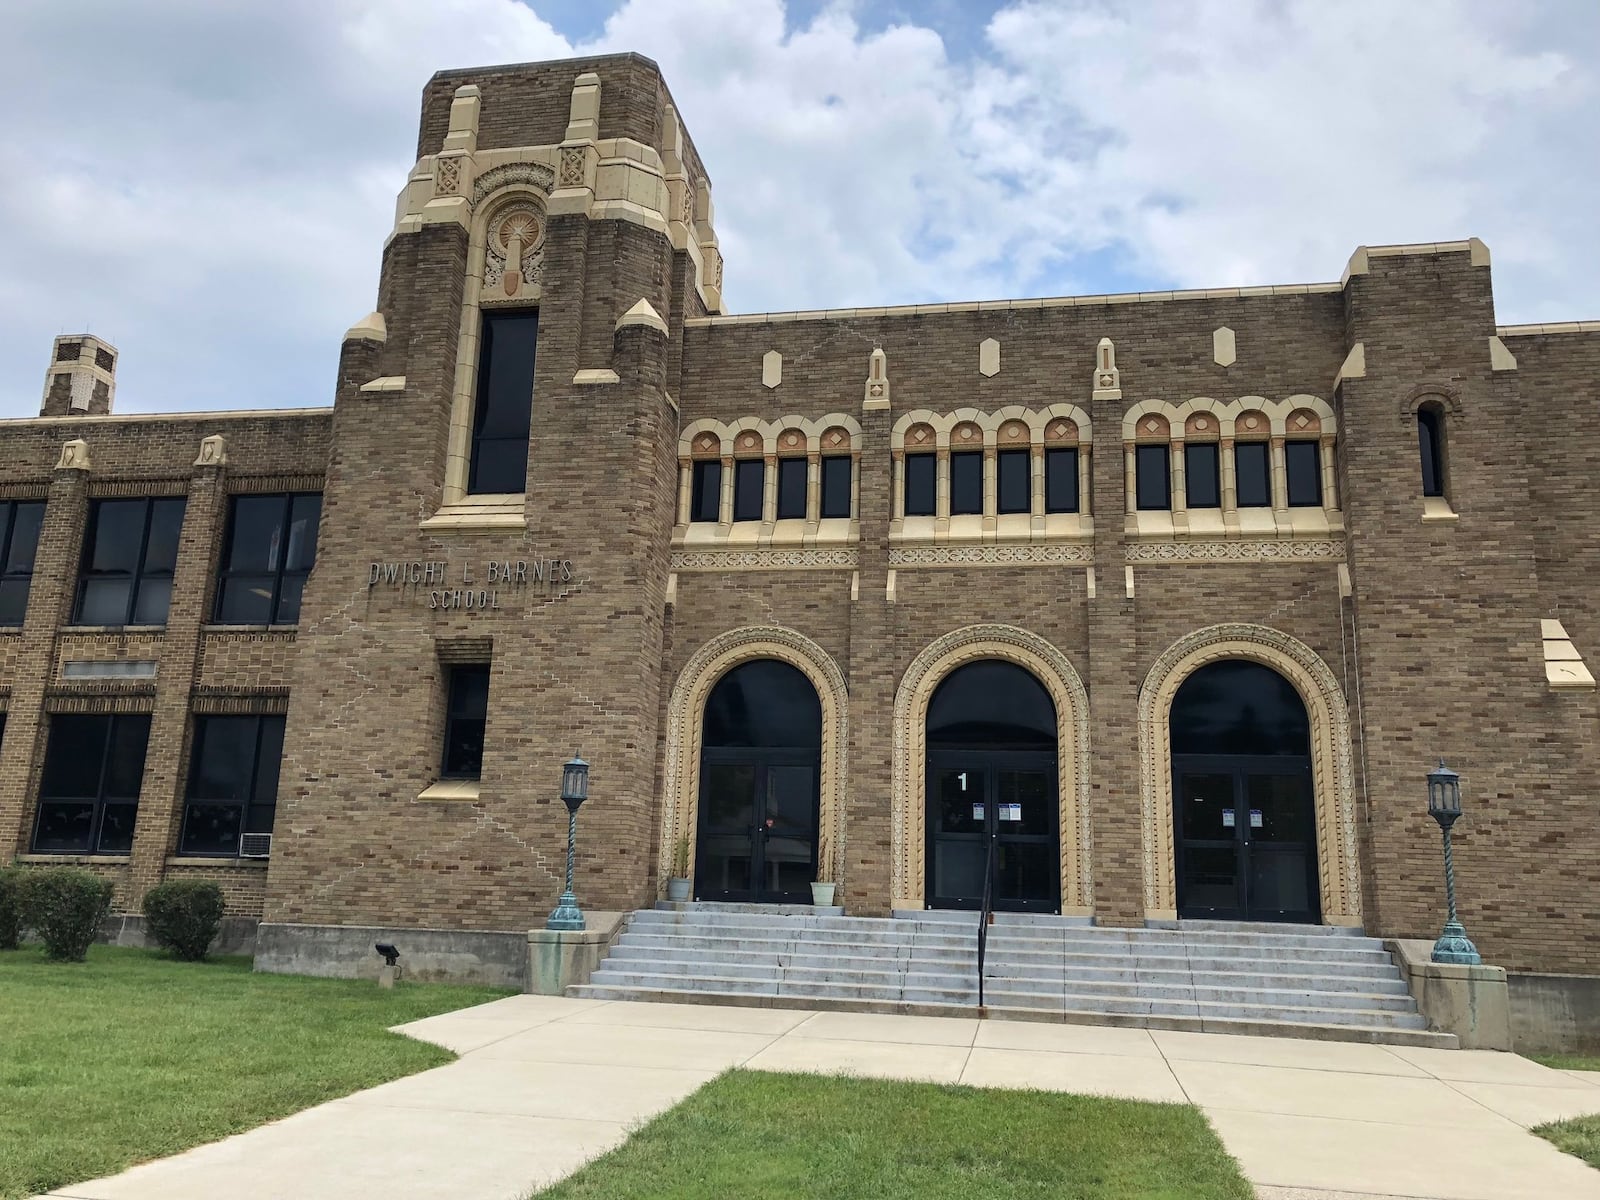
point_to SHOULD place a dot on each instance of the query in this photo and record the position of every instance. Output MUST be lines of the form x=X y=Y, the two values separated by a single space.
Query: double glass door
x=1246 y=837
x=1006 y=799
x=758 y=826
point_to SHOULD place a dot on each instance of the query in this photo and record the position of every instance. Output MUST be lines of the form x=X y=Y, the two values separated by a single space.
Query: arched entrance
x=1244 y=814
x=760 y=762
x=992 y=790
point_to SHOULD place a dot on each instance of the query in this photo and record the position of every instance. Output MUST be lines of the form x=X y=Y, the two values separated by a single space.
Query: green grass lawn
x=132 y=1056
x=760 y=1136
x=1579 y=1136
x=1568 y=1062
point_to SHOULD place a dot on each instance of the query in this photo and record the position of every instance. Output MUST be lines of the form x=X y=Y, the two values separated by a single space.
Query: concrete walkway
x=545 y=1084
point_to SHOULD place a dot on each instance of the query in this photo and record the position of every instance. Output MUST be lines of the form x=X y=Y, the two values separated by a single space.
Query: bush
x=11 y=923
x=183 y=916
x=65 y=906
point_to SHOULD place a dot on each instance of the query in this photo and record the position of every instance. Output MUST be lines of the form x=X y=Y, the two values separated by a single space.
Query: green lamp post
x=574 y=791
x=1444 y=806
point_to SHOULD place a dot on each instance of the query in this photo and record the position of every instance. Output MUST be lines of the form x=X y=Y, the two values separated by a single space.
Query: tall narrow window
x=1202 y=484
x=966 y=482
x=1014 y=481
x=1152 y=479
x=129 y=554
x=233 y=782
x=270 y=547
x=1061 y=480
x=749 y=482
x=1252 y=480
x=89 y=790
x=791 y=489
x=504 y=409
x=19 y=540
x=1303 y=462
x=705 y=491
x=836 y=486
x=1430 y=441
x=921 y=485
x=466 y=715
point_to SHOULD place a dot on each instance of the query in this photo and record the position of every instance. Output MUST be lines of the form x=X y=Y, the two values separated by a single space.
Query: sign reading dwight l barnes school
x=480 y=588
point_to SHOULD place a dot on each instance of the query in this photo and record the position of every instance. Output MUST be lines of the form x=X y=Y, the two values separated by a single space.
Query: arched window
x=1430 y=444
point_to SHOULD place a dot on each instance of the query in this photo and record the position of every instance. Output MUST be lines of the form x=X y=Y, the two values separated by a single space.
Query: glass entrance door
x=758 y=827
x=1245 y=838
x=1007 y=798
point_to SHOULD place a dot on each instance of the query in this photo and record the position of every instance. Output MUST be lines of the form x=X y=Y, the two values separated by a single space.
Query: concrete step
x=1208 y=1023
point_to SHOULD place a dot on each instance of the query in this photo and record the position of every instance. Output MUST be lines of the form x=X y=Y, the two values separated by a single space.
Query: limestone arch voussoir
x=705 y=425
x=1313 y=404
x=1073 y=413
x=1332 y=764
x=685 y=717
x=1052 y=668
x=1130 y=419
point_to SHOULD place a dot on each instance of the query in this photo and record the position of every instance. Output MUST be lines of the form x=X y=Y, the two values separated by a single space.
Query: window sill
x=1214 y=524
x=208 y=629
x=227 y=861
x=1437 y=508
x=498 y=511
x=77 y=860
x=762 y=535
x=450 y=791
x=140 y=630
x=1008 y=528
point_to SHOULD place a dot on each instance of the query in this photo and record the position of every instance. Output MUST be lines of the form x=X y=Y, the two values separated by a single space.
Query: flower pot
x=822 y=894
x=677 y=889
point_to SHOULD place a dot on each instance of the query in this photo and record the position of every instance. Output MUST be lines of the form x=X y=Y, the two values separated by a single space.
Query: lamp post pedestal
x=1453 y=946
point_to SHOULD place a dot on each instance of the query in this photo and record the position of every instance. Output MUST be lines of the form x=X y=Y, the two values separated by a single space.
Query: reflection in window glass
x=89 y=788
x=504 y=408
x=791 y=489
x=270 y=548
x=129 y=553
x=466 y=716
x=836 y=486
x=1013 y=481
x=921 y=488
x=19 y=540
x=1061 y=480
x=749 y=480
x=233 y=782
x=1303 y=462
x=705 y=496
x=1251 y=479
x=1201 y=482
x=966 y=482
x=1152 y=479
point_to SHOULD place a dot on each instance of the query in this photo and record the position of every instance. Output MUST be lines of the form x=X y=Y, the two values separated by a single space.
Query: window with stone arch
x=493 y=398
x=792 y=480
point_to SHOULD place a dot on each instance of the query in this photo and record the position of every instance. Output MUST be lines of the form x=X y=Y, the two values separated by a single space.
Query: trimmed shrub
x=65 y=906
x=183 y=916
x=11 y=923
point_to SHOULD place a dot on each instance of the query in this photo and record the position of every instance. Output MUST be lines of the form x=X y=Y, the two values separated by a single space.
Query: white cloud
x=209 y=185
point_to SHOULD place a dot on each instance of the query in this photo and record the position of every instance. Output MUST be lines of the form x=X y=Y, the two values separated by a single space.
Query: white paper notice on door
x=1255 y=818
x=1227 y=818
x=1011 y=812
x=977 y=811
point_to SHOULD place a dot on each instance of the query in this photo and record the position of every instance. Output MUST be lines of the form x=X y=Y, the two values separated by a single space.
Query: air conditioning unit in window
x=255 y=845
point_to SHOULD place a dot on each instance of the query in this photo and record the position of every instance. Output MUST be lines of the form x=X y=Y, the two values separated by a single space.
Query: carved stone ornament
x=213 y=451
x=513 y=263
x=797 y=559
x=74 y=456
x=1043 y=554
x=572 y=166
x=447 y=176
x=1235 y=551
x=534 y=175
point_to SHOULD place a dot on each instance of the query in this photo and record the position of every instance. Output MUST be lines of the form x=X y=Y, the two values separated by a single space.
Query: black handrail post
x=985 y=918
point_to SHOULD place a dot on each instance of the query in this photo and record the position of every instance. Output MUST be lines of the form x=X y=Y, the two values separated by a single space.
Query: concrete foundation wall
x=346 y=952
x=1555 y=1013
x=236 y=936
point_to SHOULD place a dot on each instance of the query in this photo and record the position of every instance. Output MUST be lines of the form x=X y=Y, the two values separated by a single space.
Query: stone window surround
x=1448 y=406
x=1013 y=427
x=458 y=508
x=1203 y=419
x=752 y=438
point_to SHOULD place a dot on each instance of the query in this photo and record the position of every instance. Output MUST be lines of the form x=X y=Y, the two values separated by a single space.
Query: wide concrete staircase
x=1215 y=976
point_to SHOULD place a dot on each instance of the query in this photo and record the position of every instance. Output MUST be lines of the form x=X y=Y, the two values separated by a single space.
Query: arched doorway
x=992 y=787
x=760 y=759
x=1243 y=807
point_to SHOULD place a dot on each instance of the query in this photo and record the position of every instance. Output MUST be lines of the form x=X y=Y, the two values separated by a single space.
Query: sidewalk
x=545 y=1084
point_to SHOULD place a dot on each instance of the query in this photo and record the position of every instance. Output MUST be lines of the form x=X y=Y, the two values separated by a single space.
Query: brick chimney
x=82 y=377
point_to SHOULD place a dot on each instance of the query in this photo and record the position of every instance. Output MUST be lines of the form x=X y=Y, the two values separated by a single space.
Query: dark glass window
x=763 y=703
x=466 y=714
x=991 y=704
x=705 y=496
x=1202 y=485
x=921 y=485
x=836 y=486
x=269 y=551
x=504 y=408
x=791 y=489
x=1238 y=707
x=749 y=481
x=1303 y=463
x=1430 y=441
x=1252 y=480
x=1061 y=480
x=128 y=557
x=1153 y=481
x=966 y=482
x=233 y=782
x=19 y=540
x=89 y=790
x=1014 y=481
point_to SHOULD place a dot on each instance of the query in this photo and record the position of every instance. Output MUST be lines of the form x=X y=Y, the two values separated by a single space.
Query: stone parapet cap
x=599 y=927
x=236 y=414
x=1414 y=956
x=912 y=310
x=1556 y=327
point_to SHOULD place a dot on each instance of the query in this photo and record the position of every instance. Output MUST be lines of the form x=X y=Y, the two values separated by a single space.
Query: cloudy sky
x=209 y=185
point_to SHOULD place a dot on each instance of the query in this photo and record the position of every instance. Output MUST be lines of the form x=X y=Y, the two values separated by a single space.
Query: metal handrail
x=985 y=917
